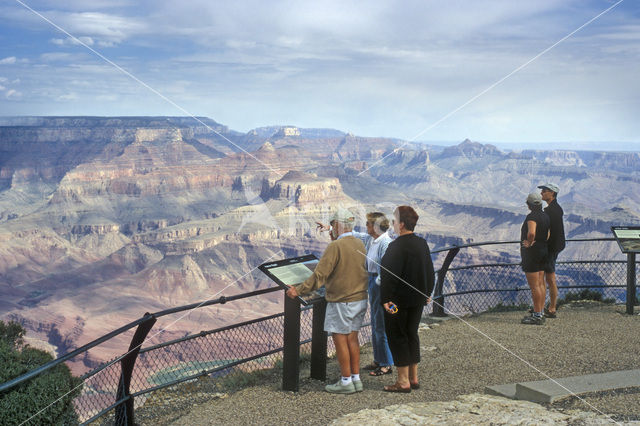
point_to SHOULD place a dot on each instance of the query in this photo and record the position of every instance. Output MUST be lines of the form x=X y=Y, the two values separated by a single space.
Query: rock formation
x=105 y=218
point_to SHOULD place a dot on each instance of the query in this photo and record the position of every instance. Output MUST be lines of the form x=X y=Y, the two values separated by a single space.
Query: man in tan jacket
x=341 y=270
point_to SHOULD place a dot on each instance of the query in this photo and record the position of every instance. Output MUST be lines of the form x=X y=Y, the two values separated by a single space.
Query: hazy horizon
x=614 y=146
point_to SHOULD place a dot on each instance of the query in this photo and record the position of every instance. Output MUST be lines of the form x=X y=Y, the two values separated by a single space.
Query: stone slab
x=550 y=391
x=508 y=391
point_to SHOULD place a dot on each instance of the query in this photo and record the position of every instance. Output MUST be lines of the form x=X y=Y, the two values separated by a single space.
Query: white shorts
x=345 y=317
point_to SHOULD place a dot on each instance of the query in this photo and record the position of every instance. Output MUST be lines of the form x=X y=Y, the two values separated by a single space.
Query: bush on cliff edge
x=22 y=402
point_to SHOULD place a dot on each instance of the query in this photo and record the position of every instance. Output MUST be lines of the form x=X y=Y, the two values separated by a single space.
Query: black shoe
x=549 y=314
x=533 y=320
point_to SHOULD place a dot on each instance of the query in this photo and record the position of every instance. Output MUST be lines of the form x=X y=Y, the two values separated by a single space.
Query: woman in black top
x=406 y=281
x=534 y=234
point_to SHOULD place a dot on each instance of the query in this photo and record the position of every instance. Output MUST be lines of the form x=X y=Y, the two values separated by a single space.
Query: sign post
x=628 y=238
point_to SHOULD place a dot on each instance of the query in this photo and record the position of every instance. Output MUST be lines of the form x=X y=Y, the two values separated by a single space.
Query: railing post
x=319 y=342
x=124 y=412
x=438 y=297
x=631 y=282
x=291 y=349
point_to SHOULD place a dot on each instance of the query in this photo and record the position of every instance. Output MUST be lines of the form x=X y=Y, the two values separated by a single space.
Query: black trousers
x=402 y=335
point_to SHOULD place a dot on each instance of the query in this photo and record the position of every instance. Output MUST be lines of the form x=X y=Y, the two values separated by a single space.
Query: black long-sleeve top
x=406 y=261
x=556 y=236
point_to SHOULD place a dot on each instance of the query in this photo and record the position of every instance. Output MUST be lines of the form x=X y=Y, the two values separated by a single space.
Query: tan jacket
x=341 y=270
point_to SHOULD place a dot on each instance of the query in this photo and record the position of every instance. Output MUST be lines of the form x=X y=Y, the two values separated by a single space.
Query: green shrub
x=585 y=294
x=500 y=307
x=52 y=391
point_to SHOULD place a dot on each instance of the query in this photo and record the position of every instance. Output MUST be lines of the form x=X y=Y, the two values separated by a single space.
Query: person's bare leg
x=553 y=290
x=542 y=290
x=342 y=353
x=403 y=377
x=533 y=279
x=354 y=352
x=413 y=374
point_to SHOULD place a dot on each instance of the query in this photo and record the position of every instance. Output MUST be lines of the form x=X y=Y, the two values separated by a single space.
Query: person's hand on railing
x=292 y=293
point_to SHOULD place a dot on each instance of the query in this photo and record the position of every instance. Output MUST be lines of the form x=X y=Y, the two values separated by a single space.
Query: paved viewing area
x=461 y=358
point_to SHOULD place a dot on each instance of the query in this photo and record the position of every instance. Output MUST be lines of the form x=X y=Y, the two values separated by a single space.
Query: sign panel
x=628 y=238
x=295 y=270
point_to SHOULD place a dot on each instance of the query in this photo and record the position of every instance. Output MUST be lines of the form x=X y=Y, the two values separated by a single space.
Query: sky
x=497 y=71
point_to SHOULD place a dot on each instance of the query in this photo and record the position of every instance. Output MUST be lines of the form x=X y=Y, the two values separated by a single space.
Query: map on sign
x=295 y=270
x=294 y=273
x=628 y=238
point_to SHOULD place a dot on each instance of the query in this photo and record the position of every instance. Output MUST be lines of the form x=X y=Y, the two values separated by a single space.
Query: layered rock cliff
x=103 y=219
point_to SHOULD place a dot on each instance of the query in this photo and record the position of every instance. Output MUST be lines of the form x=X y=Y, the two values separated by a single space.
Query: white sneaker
x=340 y=388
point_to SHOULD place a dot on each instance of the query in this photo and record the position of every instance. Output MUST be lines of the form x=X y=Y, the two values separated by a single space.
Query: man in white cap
x=342 y=272
x=556 y=242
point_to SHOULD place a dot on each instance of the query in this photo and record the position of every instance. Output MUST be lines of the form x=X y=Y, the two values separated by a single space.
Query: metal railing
x=211 y=362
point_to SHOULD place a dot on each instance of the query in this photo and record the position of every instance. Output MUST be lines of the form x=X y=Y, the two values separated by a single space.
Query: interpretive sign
x=292 y=271
x=628 y=238
x=285 y=273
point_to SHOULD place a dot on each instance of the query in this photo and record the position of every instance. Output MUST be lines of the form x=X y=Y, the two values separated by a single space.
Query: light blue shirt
x=375 y=249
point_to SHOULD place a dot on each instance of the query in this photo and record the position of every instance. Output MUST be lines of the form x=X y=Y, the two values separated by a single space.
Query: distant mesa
x=287 y=131
x=471 y=149
x=311 y=133
x=299 y=177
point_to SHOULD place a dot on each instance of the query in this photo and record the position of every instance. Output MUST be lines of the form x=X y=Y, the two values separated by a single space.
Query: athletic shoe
x=549 y=314
x=533 y=320
x=340 y=388
x=357 y=384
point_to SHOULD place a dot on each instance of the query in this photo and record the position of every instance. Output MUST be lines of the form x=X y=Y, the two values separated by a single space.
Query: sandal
x=381 y=371
x=415 y=385
x=372 y=366
x=396 y=388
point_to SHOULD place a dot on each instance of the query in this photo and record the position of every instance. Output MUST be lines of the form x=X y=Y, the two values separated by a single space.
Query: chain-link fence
x=184 y=370
x=480 y=288
x=202 y=366
x=468 y=289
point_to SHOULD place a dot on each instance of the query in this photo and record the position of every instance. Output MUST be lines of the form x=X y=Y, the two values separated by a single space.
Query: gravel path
x=459 y=357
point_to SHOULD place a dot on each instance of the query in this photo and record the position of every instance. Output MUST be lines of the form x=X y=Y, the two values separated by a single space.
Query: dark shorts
x=550 y=264
x=534 y=259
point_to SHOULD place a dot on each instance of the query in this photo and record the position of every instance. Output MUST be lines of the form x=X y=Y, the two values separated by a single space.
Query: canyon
x=105 y=218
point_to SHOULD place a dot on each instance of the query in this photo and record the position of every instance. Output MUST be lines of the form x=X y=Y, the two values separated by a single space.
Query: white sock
x=355 y=377
x=346 y=380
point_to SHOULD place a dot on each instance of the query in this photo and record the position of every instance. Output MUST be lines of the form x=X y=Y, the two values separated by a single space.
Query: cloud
x=8 y=60
x=71 y=41
x=101 y=26
x=384 y=68
x=57 y=56
x=12 y=94
x=68 y=97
